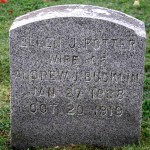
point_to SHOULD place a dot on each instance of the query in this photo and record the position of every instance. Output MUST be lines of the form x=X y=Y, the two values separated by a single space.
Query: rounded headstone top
x=81 y=11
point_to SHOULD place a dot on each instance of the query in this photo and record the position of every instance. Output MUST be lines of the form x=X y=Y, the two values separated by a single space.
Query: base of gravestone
x=73 y=146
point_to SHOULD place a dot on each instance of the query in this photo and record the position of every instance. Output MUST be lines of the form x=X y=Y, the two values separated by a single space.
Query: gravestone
x=76 y=77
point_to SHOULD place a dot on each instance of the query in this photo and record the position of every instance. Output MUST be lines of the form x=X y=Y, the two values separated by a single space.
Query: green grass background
x=14 y=8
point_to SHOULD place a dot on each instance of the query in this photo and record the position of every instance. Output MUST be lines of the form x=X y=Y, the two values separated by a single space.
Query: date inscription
x=73 y=109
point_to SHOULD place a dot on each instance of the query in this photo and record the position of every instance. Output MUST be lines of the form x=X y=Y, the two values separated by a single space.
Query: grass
x=14 y=8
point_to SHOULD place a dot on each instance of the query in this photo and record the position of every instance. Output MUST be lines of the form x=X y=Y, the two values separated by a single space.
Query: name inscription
x=74 y=76
x=72 y=42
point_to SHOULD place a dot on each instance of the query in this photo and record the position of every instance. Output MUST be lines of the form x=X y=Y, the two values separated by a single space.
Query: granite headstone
x=76 y=77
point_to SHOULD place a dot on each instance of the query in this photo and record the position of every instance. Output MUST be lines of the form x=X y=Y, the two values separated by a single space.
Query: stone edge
x=81 y=11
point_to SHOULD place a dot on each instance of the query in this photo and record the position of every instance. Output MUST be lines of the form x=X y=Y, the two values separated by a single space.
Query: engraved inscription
x=108 y=110
x=72 y=109
x=72 y=42
x=107 y=93
x=42 y=108
x=73 y=92
x=61 y=52
x=23 y=42
x=88 y=76
x=33 y=107
x=44 y=91
x=64 y=59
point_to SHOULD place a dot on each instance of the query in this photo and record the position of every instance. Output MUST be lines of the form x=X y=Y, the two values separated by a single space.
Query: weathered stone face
x=76 y=77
